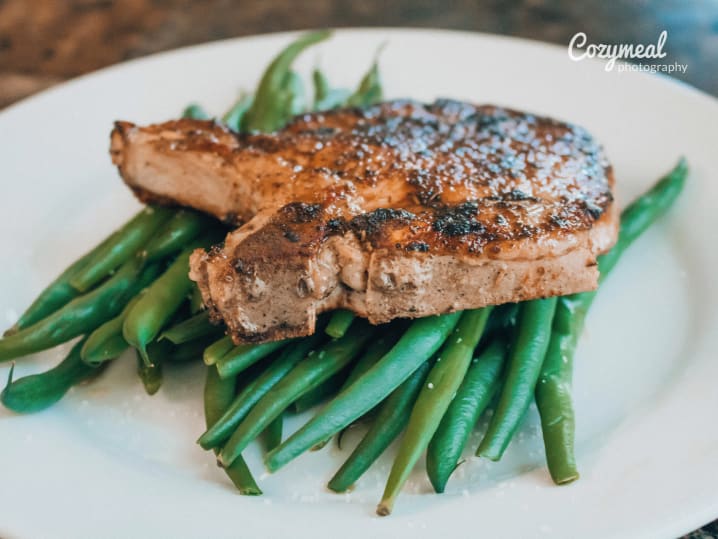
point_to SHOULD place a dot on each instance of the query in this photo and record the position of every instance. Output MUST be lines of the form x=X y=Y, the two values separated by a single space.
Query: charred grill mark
x=215 y=250
x=518 y=194
x=559 y=221
x=301 y=212
x=471 y=226
x=527 y=231
x=232 y=219
x=291 y=235
x=369 y=224
x=311 y=131
x=458 y=220
x=263 y=143
x=593 y=209
x=370 y=174
x=325 y=131
x=242 y=267
x=281 y=330
x=418 y=246
x=428 y=189
x=336 y=226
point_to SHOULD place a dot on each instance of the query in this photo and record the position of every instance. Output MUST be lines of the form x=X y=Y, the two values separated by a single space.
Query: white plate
x=110 y=462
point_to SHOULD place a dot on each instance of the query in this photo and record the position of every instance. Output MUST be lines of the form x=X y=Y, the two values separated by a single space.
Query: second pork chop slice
x=397 y=210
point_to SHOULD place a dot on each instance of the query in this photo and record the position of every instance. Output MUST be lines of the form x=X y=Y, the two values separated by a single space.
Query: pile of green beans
x=432 y=378
x=133 y=290
x=433 y=400
x=553 y=390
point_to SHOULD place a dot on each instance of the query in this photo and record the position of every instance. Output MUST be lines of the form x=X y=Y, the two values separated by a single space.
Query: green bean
x=377 y=349
x=58 y=293
x=273 y=433
x=523 y=369
x=503 y=319
x=184 y=226
x=196 y=303
x=337 y=98
x=250 y=395
x=240 y=357
x=217 y=350
x=393 y=415
x=150 y=371
x=326 y=97
x=195 y=112
x=381 y=346
x=320 y=445
x=314 y=370
x=434 y=399
x=268 y=111
x=481 y=382
x=195 y=327
x=643 y=212
x=235 y=116
x=81 y=315
x=370 y=89
x=218 y=394
x=553 y=391
x=189 y=351
x=320 y=393
x=294 y=96
x=106 y=342
x=125 y=244
x=161 y=300
x=339 y=323
x=321 y=87
x=110 y=349
x=418 y=344
x=39 y=391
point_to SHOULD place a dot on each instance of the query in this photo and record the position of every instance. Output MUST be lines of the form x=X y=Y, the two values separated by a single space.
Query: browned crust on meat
x=365 y=208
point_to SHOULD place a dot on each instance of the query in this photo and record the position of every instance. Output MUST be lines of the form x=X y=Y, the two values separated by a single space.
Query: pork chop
x=396 y=210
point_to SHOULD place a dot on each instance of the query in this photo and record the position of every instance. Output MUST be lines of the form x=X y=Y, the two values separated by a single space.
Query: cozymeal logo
x=579 y=48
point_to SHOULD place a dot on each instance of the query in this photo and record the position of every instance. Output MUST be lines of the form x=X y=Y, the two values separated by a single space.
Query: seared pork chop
x=396 y=210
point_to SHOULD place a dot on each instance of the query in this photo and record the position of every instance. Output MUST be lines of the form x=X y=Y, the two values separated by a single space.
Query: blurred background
x=43 y=42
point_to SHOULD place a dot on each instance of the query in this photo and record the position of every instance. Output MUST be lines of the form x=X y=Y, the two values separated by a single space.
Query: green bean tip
x=250 y=491
x=9 y=377
x=145 y=358
x=489 y=453
x=384 y=508
x=566 y=480
x=10 y=331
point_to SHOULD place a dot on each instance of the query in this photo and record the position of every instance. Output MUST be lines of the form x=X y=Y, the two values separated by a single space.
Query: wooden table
x=43 y=42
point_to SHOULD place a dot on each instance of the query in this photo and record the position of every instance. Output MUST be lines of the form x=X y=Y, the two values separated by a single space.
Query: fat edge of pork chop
x=398 y=210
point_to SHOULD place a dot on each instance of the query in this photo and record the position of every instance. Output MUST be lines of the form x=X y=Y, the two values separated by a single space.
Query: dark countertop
x=44 y=42
x=52 y=41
